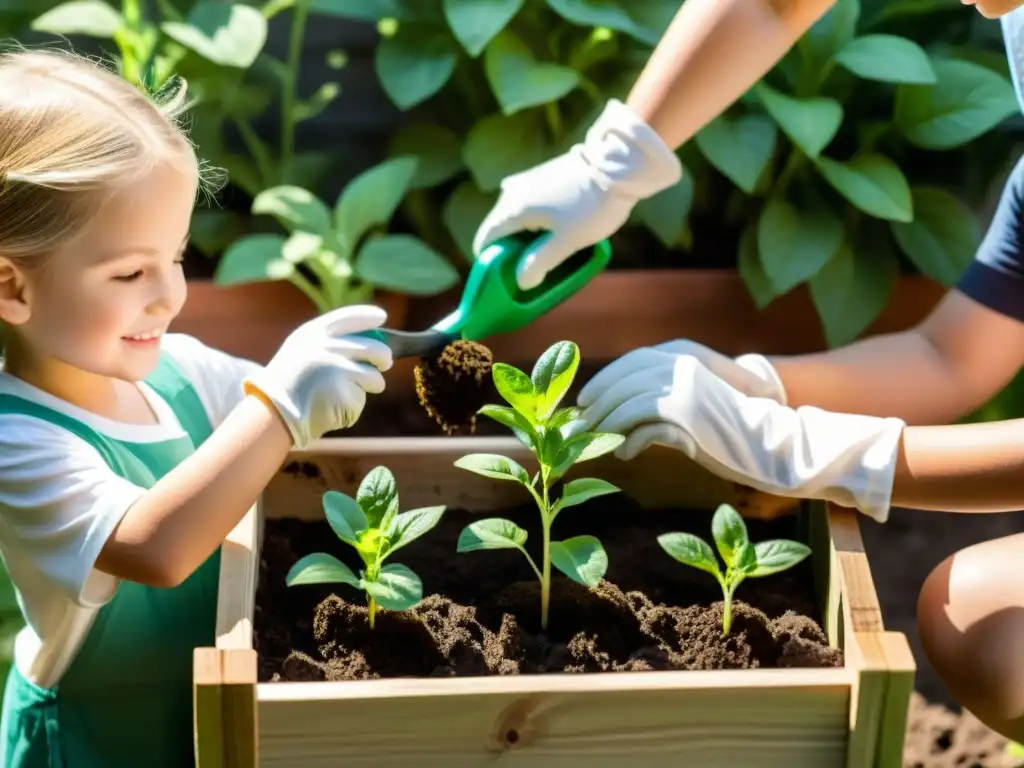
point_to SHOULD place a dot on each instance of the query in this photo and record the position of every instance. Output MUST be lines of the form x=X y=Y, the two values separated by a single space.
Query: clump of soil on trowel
x=453 y=385
x=481 y=611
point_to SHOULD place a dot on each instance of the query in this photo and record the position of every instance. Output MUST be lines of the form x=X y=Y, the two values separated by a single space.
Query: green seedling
x=548 y=431
x=743 y=560
x=371 y=524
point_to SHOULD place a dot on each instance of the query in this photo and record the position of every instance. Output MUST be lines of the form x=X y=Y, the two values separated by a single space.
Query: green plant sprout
x=371 y=524
x=743 y=560
x=538 y=423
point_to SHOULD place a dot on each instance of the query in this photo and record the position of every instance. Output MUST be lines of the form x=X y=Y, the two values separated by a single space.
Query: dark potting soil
x=481 y=613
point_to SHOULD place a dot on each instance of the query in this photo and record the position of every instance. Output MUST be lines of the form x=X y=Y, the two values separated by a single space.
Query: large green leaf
x=887 y=58
x=665 y=213
x=873 y=183
x=252 y=259
x=581 y=558
x=942 y=238
x=690 y=550
x=409 y=526
x=518 y=80
x=761 y=289
x=397 y=588
x=93 y=18
x=295 y=208
x=851 y=290
x=378 y=496
x=406 y=264
x=739 y=147
x=321 y=568
x=346 y=518
x=414 y=64
x=436 y=148
x=729 y=532
x=494 y=466
x=476 y=22
x=500 y=145
x=514 y=420
x=827 y=36
x=967 y=101
x=463 y=212
x=370 y=199
x=810 y=123
x=777 y=555
x=552 y=375
x=492 y=533
x=229 y=34
x=645 y=21
x=516 y=389
x=794 y=244
x=584 y=489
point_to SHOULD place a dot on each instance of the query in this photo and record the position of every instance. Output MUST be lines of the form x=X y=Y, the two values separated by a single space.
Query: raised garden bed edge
x=854 y=716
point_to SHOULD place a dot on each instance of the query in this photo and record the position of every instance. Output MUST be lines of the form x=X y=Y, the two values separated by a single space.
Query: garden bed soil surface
x=481 y=613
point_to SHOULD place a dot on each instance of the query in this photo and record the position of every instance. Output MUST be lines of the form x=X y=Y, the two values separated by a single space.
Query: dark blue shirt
x=996 y=276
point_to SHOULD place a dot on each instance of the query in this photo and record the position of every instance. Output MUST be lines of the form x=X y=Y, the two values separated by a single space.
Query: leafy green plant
x=851 y=161
x=536 y=420
x=372 y=525
x=347 y=251
x=742 y=559
x=218 y=47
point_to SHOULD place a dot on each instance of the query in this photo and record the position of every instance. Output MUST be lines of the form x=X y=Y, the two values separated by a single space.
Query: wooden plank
x=236 y=589
x=661 y=478
x=224 y=708
x=749 y=718
x=896 y=708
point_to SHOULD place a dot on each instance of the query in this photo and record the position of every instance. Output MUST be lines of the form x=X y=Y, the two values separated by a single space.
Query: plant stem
x=545 y=580
x=727 y=612
x=554 y=119
x=299 y=15
x=372 y=605
x=258 y=151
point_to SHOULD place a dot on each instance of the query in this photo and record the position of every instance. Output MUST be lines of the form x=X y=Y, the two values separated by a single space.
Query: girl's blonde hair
x=72 y=132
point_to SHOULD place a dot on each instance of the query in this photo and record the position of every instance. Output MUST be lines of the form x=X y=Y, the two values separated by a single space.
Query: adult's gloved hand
x=751 y=374
x=319 y=378
x=583 y=195
x=675 y=400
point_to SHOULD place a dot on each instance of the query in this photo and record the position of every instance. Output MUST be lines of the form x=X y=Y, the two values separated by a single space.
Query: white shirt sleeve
x=59 y=503
x=215 y=375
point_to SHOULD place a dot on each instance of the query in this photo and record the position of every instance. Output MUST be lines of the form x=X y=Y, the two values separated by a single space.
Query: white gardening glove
x=583 y=195
x=319 y=377
x=751 y=374
x=806 y=453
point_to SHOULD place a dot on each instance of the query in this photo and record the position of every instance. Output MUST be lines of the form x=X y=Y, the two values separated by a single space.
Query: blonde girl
x=126 y=453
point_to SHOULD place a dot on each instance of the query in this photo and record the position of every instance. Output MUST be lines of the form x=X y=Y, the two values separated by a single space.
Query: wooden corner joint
x=224 y=666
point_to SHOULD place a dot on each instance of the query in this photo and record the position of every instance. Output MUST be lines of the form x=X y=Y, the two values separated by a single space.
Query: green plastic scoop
x=492 y=301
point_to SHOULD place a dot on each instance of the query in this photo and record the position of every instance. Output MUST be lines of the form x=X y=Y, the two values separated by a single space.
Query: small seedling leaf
x=511 y=418
x=492 y=533
x=690 y=550
x=746 y=559
x=378 y=496
x=516 y=388
x=583 y=447
x=321 y=568
x=345 y=516
x=584 y=489
x=551 y=444
x=563 y=417
x=493 y=466
x=409 y=526
x=729 y=532
x=397 y=588
x=777 y=555
x=581 y=558
x=552 y=375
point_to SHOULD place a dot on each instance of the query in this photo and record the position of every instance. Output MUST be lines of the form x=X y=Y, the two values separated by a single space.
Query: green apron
x=125 y=700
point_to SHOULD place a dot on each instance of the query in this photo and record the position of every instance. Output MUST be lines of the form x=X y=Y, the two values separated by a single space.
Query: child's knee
x=970 y=616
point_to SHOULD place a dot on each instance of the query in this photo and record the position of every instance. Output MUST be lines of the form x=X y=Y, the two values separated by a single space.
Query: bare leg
x=970 y=615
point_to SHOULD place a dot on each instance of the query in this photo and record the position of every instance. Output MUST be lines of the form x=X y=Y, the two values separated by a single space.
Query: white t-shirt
x=59 y=502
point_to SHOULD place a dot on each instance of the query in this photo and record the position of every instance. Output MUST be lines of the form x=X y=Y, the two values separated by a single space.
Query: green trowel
x=492 y=302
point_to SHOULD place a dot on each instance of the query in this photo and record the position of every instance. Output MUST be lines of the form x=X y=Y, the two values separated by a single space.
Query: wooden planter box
x=850 y=717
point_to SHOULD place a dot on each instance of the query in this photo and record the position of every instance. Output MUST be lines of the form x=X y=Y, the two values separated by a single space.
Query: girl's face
x=102 y=301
